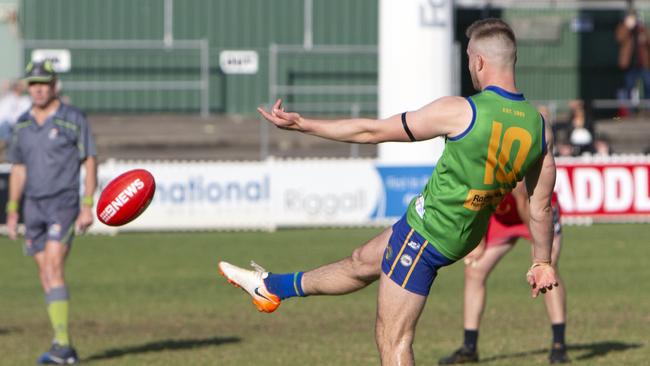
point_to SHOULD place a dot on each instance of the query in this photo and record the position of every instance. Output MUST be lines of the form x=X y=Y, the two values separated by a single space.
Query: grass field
x=155 y=299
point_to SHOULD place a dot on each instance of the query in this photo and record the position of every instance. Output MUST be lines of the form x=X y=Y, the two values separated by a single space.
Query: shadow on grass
x=7 y=330
x=163 y=345
x=593 y=350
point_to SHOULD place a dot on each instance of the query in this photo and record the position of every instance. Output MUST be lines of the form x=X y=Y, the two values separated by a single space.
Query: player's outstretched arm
x=540 y=182
x=445 y=116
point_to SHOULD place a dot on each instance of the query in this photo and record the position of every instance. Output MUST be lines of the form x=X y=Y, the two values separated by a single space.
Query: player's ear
x=480 y=62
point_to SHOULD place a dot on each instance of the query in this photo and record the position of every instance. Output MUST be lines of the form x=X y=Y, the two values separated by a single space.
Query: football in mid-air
x=126 y=197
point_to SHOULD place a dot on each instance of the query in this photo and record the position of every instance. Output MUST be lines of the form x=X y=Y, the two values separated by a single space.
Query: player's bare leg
x=39 y=258
x=347 y=275
x=477 y=272
x=54 y=260
x=398 y=311
x=350 y=274
x=555 y=302
x=476 y=275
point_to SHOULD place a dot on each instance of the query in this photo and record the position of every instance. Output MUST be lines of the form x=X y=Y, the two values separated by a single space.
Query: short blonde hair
x=497 y=29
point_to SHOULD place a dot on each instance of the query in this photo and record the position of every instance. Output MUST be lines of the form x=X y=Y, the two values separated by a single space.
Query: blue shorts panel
x=410 y=260
x=50 y=219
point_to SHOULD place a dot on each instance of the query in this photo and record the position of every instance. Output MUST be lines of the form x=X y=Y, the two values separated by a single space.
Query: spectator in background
x=634 y=51
x=580 y=136
x=601 y=145
x=12 y=105
x=562 y=145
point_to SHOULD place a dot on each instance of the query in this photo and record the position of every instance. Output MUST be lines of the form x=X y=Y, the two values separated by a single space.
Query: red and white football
x=126 y=197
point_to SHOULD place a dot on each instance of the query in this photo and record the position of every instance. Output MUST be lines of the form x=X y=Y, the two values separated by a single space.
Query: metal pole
x=168 y=26
x=205 y=78
x=355 y=111
x=308 y=24
x=21 y=58
x=273 y=81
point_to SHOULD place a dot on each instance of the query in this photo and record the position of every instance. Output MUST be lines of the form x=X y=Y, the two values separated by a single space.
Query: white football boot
x=251 y=281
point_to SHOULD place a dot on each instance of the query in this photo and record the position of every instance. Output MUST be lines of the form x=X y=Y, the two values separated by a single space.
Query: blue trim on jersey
x=471 y=124
x=543 y=136
x=506 y=94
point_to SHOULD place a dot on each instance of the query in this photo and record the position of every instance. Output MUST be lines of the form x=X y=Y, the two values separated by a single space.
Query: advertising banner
x=200 y=195
x=400 y=184
x=324 y=192
x=347 y=192
x=613 y=190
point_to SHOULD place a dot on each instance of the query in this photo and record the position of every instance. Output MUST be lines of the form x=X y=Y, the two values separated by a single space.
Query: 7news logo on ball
x=126 y=197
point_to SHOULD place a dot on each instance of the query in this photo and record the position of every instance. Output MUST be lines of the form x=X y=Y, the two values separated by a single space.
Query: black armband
x=406 y=127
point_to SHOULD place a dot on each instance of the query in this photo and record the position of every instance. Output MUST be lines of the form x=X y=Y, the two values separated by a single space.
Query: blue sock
x=285 y=285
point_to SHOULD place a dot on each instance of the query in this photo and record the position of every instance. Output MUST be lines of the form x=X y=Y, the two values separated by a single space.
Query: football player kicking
x=507 y=224
x=495 y=139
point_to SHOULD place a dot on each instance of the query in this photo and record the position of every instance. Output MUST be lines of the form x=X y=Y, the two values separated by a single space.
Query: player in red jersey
x=507 y=224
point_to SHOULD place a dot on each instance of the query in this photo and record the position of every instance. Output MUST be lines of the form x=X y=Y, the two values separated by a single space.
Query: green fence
x=557 y=63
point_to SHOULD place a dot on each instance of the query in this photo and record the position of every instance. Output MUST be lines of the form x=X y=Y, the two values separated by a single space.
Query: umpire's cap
x=40 y=72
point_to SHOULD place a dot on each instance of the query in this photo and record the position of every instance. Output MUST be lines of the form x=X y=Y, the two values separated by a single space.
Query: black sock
x=471 y=337
x=558 y=333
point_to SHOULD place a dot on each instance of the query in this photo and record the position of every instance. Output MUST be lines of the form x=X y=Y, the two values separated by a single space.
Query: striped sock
x=285 y=285
x=57 y=308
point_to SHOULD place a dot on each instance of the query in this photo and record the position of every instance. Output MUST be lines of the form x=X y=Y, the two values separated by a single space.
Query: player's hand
x=12 y=225
x=280 y=118
x=541 y=278
x=84 y=220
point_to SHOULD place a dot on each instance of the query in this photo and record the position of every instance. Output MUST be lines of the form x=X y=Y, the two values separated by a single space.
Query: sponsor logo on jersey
x=414 y=245
x=406 y=260
x=53 y=133
x=478 y=199
x=112 y=208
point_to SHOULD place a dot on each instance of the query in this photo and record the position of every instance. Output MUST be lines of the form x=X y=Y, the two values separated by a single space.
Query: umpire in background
x=50 y=143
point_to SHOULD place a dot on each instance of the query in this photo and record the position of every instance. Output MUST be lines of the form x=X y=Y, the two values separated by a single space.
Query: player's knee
x=53 y=271
x=392 y=334
x=475 y=274
x=362 y=267
x=394 y=341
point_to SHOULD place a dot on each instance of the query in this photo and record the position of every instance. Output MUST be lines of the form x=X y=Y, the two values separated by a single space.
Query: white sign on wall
x=325 y=192
x=238 y=62
x=60 y=58
x=201 y=195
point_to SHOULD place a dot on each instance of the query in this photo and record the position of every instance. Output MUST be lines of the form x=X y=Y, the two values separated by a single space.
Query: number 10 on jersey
x=499 y=167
